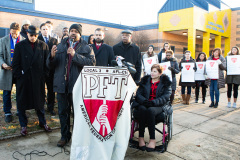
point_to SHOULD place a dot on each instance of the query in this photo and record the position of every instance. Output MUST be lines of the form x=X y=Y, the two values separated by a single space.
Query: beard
x=98 y=40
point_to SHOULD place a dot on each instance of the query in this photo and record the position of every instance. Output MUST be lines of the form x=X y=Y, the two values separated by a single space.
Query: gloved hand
x=181 y=67
x=219 y=62
x=171 y=68
x=195 y=69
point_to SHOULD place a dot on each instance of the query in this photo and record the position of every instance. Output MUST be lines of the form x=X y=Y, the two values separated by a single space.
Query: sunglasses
x=33 y=35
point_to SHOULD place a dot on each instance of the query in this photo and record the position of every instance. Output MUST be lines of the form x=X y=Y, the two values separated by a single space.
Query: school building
x=195 y=25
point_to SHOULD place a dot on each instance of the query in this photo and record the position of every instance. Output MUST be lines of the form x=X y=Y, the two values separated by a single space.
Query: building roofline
x=235 y=9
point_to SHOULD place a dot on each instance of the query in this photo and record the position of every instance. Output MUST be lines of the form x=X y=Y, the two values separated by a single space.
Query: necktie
x=46 y=40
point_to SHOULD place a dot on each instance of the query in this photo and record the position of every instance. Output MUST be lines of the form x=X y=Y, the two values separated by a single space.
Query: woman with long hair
x=154 y=92
x=202 y=57
x=216 y=84
x=166 y=47
x=150 y=53
x=232 y=81
x=90 y=39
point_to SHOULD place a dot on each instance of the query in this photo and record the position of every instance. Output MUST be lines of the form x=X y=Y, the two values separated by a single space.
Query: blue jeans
x=214 y=88
x=188 y=89
x=7 y=104
x=23 y=118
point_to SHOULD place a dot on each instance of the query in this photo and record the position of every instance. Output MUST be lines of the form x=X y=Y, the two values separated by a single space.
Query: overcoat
x=29 y=69
x=5 y=57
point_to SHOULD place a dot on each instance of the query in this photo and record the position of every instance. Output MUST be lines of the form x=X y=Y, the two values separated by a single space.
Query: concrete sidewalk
x=199 y=132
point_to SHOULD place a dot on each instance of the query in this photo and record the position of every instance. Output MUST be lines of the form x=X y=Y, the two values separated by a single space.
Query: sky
x=125 y=12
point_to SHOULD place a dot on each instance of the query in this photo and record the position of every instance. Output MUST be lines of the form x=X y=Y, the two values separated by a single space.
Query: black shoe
x=212 y=104
x=216 y=105
x=150 y=149
x=8 y=118
x=142 y=148
x=62 y=143
x=196 y=101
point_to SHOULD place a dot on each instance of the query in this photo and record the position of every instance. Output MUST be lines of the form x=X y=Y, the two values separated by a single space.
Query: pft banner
x=101 y=97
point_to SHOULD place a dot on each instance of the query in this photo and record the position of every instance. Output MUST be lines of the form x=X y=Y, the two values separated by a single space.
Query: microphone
x=72 y=40
x=114 y=63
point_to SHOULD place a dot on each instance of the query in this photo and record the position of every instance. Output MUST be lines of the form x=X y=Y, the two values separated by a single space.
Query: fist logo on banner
x=149 y=61
x=234 y=60
x=212 y=64
x=187 y=67
x=200 y=66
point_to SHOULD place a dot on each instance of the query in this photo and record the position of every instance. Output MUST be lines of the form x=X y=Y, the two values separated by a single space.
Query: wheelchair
x=165 y=117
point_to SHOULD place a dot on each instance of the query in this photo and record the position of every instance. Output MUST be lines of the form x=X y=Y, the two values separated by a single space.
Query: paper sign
x=166 y=71
x=233 y=65
x=212 y=69
x=148 y=62
x=187 y=72
x=199 y=74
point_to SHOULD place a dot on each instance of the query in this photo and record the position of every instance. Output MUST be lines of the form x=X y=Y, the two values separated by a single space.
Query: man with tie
x=50 y=41
x=103 y=52
x=7 y=46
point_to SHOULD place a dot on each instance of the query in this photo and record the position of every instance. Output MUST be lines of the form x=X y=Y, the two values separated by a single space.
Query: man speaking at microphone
x=68 y=59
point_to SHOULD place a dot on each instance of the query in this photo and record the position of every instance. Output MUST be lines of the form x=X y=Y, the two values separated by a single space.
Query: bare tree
x=141 y=39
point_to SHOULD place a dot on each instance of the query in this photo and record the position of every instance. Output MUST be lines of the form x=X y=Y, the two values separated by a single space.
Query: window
x=184 y=49
x=3 y=32
x=27 y=1
x=173 y=49
x=85 y=38
x=238 y=26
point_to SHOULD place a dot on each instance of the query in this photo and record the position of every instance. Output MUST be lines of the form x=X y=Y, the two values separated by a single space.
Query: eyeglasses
x=168 y=55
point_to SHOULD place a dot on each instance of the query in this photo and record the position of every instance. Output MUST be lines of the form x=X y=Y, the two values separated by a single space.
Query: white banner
x=212 y=69
x=187 y=72
x=101 y=97
x=233 y=65
x=148 y=62
x=163 y=55
x=166 y=71
x=199 y=74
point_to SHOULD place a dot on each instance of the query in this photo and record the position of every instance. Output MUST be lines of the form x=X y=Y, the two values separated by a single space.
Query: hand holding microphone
x=70 y=50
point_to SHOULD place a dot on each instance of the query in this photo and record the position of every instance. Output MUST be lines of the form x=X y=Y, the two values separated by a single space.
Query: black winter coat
x=174 y=64
x=29 y=68
x=162 y=94
x=132 y=55
x=84 y=56
x=192 y=84
x=104 y=55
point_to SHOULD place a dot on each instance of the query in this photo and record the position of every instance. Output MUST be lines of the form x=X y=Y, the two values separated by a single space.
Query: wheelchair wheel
x=170 y=126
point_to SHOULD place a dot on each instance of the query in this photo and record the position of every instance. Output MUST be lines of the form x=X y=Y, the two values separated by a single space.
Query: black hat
x=15 y=26
x=151 y=46
x=33 y=30
x=78 y=27
x=126 y=31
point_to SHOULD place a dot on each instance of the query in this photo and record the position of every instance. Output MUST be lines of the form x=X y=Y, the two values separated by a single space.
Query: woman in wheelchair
x=154 y=92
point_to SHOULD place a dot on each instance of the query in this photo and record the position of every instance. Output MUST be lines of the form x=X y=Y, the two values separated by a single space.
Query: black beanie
x=78 y=27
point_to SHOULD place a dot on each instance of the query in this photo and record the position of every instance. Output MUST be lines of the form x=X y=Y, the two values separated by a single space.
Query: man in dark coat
x=130 y=52
x=68 y=59
x=50 y=41
x=29 y=68
x=103 y=52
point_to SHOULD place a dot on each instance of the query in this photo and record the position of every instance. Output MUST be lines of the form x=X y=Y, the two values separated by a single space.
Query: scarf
x=12 y=45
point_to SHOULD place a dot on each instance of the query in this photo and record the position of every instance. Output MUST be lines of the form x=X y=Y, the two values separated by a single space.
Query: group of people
x=35 y=57
x=155 y=90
